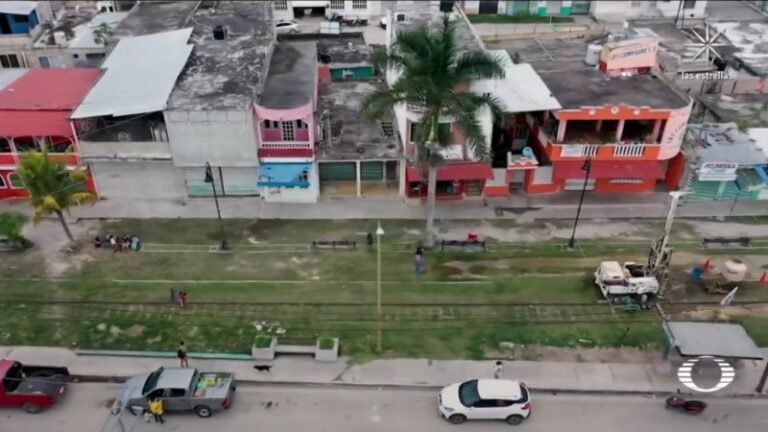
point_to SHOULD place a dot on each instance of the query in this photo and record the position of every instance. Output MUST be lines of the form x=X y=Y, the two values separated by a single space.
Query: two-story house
x=35 y=105
x=19 y=25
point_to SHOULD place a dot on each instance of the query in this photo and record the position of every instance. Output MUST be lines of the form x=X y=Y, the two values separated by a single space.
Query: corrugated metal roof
x=7 y=76
x=140 y=75
x=712 y=339
x=48 y=89
x=17 y=7
x=521 y=90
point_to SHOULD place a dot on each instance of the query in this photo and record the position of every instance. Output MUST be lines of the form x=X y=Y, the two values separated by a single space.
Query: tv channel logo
x=727 y=374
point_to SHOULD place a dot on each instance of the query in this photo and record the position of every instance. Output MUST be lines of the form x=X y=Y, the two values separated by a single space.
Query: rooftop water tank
x=593 y=54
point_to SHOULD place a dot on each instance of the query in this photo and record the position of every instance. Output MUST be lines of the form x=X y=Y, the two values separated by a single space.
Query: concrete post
x=561 y=131
x=358 y=177
x=619 y=131
x=656 y=131
x=763 y=378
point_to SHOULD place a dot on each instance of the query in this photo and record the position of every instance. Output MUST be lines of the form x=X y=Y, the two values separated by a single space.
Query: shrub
x=326 y=343
x=262 y=341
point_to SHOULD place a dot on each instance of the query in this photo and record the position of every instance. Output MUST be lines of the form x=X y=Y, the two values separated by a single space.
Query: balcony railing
x=629 y=150
x=578 y=150
x=286 y=145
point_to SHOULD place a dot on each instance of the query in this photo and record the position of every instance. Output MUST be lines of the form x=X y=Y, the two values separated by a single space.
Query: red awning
x=34 y=123
x=454 y=171
x=609 y=170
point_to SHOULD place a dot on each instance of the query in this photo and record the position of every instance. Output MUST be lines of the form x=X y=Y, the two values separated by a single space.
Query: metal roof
x=724 y=142
x=140 y=75
x=48 y=89
x=8 y=76
x=17 y=7
x=711 y=339
x=521 y=89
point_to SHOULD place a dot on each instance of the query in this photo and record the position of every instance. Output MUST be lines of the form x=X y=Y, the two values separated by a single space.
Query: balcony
x=111 y=138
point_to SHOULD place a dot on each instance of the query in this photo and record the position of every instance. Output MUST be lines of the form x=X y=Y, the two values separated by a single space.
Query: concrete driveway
x=309 y=409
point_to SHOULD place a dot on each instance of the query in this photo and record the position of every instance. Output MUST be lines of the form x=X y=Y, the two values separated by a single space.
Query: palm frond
x=478 y=65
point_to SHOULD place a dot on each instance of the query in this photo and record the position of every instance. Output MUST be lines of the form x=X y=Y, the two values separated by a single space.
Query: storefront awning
x=609 y=170
x=454 y=171
x=285 y=175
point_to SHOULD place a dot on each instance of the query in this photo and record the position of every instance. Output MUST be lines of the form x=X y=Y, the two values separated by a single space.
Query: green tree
x=11 y=225
x=431 y=71
x=52 y=187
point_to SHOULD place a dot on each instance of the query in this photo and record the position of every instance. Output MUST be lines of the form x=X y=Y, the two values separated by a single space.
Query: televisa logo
x=727 y=374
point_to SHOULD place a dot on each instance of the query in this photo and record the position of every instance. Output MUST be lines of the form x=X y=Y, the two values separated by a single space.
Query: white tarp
x=140 y=75
x=17 y=7
x=521 y=90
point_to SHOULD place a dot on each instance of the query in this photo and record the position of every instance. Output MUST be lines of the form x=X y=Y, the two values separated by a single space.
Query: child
x=182 y=298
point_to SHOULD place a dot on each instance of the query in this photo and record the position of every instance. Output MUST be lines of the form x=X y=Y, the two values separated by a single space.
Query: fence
x=514 y=31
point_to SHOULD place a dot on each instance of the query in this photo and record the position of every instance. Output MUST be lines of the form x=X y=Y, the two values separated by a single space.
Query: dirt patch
x=591 y=355
x=135 y=330
x=304 y=267
x=726 y=313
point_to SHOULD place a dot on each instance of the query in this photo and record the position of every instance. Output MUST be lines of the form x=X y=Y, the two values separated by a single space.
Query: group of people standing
x=123 y=243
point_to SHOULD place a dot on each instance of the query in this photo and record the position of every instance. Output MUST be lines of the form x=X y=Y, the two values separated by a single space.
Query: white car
x=286 y=27
x=383 y=22
x=485 y=399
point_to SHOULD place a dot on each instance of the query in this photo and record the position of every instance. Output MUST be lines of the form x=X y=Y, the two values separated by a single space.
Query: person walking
x=498 y=368
x=157 y=410
x=182 y=298
x=418 y=264
x=181 y=353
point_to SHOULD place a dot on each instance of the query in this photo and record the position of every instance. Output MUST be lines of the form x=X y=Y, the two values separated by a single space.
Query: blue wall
x=18 y=24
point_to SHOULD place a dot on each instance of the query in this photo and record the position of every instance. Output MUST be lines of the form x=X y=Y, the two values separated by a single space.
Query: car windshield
x=151 y=382
x=468 y=394
x=13 y=378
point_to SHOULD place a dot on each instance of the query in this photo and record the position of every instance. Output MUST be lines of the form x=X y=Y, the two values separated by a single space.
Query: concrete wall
x=122 y=150
x=222 y=138
x=138 y=180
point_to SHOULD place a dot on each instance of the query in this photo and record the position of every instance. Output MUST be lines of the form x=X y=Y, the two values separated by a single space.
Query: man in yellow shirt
x=156 y=408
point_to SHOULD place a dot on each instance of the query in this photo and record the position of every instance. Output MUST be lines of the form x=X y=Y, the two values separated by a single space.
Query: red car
x=31 y=388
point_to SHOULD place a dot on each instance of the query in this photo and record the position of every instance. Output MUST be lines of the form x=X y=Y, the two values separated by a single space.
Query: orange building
x=628 y=123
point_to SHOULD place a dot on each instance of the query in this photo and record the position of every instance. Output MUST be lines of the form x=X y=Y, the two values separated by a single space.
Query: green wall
x=359 y=72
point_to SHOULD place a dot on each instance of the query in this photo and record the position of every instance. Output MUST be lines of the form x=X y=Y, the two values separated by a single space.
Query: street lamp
x=588 y=168
x=209 y=179
x=379 y=233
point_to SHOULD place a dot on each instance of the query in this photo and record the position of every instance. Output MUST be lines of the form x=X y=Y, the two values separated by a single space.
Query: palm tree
x=432 y=70
x=53 y=188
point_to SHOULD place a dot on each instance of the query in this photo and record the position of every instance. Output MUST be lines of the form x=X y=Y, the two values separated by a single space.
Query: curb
x=425 y=387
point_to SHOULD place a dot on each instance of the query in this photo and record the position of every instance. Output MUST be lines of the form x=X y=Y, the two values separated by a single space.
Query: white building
x=291 y=9
x=606 y=10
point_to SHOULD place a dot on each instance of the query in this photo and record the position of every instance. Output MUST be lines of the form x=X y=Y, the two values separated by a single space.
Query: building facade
x=35 y=106
x=293 y=9
x=606 y=10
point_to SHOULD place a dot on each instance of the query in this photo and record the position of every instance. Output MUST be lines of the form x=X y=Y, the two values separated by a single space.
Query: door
x=16 y=185
x=518 y=7
x=488 y=409
x=578 y=184
x=177 y=399
x=240 y=181
x=581 y=7
x=488 y=7
x=343 y=171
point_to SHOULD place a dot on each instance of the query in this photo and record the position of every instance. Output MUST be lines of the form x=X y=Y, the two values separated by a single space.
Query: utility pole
x=659 y=258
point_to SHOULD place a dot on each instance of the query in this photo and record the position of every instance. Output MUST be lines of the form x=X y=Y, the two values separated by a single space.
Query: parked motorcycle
x=349 y=20
x=689 y=406
x=362 y=22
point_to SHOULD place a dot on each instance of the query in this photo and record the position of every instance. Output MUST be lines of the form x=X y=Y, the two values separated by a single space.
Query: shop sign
x=718 y=171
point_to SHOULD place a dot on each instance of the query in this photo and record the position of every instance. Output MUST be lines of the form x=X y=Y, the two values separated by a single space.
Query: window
x=9 y=61
x=337 y=4
x=21 y=18
x=689 y=4
x=486 y=403
x=281 y=5
x=521 y=131
x=175 y=393
x=58 y=144
x=5 y=145
x=301 y=125
x=289 y=131
x=49 y=61
x=468 y=394
x=15 y=181
x=359 y=4
x=25 y=144
x=95 y=56
x=271 y=124
x=75 y=56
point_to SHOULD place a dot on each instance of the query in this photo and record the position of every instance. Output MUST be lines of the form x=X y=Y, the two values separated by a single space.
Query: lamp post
x=209 y=179
x=588 y=168
x=379 y=233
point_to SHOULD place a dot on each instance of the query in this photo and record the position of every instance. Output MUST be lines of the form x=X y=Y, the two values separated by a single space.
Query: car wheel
x=457 y=419
x=31 y=408
x=203 y=411
x=515 y=420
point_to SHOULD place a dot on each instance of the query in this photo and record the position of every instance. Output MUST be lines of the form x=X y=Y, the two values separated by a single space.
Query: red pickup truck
x=31 y=388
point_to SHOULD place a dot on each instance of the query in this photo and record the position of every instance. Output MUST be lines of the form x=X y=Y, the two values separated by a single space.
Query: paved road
x=371 y=410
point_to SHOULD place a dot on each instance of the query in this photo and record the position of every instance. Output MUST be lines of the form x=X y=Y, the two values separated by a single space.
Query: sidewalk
x=541 y=376
x=524 y=209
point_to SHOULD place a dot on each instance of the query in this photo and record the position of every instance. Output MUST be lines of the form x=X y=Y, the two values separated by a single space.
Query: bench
x=296 y=346
x=463 y=245
x=334 y=244
x=726 y=241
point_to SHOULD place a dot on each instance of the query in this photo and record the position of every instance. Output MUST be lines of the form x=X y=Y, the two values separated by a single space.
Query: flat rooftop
x=147 y=17
x=344 y=50
x=354 y=138
x=724 y=142
x=678 y=47
x=226 y=74
x=292 y=75
x=749 y=109
x=424 y=14
x=80 y=28
x=560 y=64
x=750 y=42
